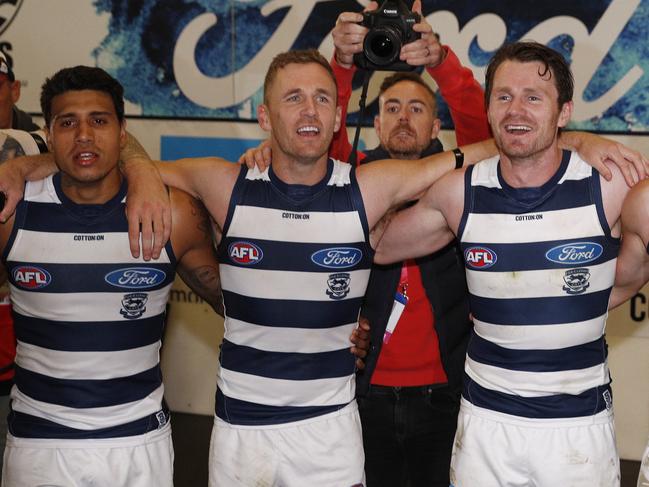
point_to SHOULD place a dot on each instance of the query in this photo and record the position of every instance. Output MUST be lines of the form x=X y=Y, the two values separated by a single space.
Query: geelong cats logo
x=338 y=285
x=133 y=305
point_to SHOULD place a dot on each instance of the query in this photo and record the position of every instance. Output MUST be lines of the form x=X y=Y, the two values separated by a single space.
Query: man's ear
x=263 y=117
x=437 y=125
x=122 y=134
x=377 y=125
x=339 y=112
x=15 y=91
x=566 y=113
x=48 y=140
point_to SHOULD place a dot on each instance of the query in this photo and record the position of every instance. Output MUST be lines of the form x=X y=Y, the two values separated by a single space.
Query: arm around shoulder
x=425 y=227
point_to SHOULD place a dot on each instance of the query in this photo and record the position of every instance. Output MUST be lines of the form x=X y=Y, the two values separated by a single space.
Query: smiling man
x=536 y=406
x=295 y=251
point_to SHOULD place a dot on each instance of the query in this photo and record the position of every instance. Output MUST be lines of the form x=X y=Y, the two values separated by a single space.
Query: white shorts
x=324 y=451
x=643 y=478
x=139 y=461
x=498 y=450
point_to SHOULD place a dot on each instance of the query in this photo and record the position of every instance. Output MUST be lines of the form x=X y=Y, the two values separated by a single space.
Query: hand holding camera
x=389 y=37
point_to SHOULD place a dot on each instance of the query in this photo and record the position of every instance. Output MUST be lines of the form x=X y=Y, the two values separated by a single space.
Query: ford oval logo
x=29 y=277
x=574 y=253
x=337 y=257
x=135 y=277
x=480 y=257
x=245 y=253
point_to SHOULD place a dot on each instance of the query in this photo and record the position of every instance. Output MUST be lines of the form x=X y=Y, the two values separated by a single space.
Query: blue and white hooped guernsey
x=88 y=319
x=540 y=266
x=294 y=263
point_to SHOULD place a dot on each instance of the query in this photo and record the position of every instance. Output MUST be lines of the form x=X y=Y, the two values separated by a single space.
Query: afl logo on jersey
x=135 y=277
x=480 y=257
x=574 y=253
x=245 y=253
x=337 y=257
x=29 y=277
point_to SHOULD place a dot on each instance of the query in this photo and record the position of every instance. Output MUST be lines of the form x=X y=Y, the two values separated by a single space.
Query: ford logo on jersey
x=480 y=257
x=574 y=253
x=337 y=257
x=135 y=277
x=29 y=277
x=245 y=253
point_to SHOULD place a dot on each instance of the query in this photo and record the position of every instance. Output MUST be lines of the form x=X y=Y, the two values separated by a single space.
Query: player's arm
x=423 y=228
x=191 y=239
x=209 y=179
x=388 y=184
x=19 y=152
x=596 y=151
x=632 y=270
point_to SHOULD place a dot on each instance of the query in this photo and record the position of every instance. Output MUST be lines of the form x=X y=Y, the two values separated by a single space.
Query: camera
x=390 y=27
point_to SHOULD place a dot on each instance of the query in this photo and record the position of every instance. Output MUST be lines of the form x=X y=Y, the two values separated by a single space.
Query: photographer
x=409 y=394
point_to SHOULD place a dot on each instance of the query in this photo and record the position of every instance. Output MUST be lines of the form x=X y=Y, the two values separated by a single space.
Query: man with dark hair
x=539 y=230
x=409 y=392
x=87 y=406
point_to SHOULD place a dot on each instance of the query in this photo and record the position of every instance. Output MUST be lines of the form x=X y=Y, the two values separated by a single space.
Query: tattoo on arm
x=206 y=282
x=10 y=149
x=132 y=149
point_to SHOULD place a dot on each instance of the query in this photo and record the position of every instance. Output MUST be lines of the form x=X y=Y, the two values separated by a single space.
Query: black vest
x=444 y=282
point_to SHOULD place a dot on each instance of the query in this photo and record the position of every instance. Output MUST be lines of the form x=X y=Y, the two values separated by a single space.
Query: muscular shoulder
x=635 y=212
x=614 y=193
x=447 y=196
x=189 y=221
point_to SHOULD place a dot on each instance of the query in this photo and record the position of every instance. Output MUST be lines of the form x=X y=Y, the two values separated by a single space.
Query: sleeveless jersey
x=294 y=264
x=540 y=266
x=13 y=143
x=88 y=320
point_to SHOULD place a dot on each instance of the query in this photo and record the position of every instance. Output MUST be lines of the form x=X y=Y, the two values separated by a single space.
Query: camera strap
x=361 y=113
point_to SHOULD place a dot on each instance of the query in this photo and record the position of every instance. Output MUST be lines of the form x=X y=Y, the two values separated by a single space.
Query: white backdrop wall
x=193 y=73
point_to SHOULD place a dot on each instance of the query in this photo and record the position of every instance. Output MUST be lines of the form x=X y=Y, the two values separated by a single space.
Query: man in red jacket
x=409 y=394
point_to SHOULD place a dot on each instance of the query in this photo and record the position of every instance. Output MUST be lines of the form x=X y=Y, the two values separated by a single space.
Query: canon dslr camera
x=390 y=27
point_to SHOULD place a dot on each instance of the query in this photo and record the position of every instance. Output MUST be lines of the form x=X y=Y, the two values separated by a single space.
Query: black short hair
x=81 y=78
x=554 y=65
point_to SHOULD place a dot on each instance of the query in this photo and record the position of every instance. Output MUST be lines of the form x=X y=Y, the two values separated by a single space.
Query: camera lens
x=382 y=45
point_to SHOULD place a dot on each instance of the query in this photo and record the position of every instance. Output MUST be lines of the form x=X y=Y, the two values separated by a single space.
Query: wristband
x=459 y=158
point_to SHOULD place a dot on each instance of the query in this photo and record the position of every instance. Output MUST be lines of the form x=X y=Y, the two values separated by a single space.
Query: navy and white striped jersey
x=88 y=320
x=540 y=266
x=294 y=263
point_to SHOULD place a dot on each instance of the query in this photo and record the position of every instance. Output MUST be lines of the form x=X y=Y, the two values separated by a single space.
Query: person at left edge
x=11 y=117
x=87 y=406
